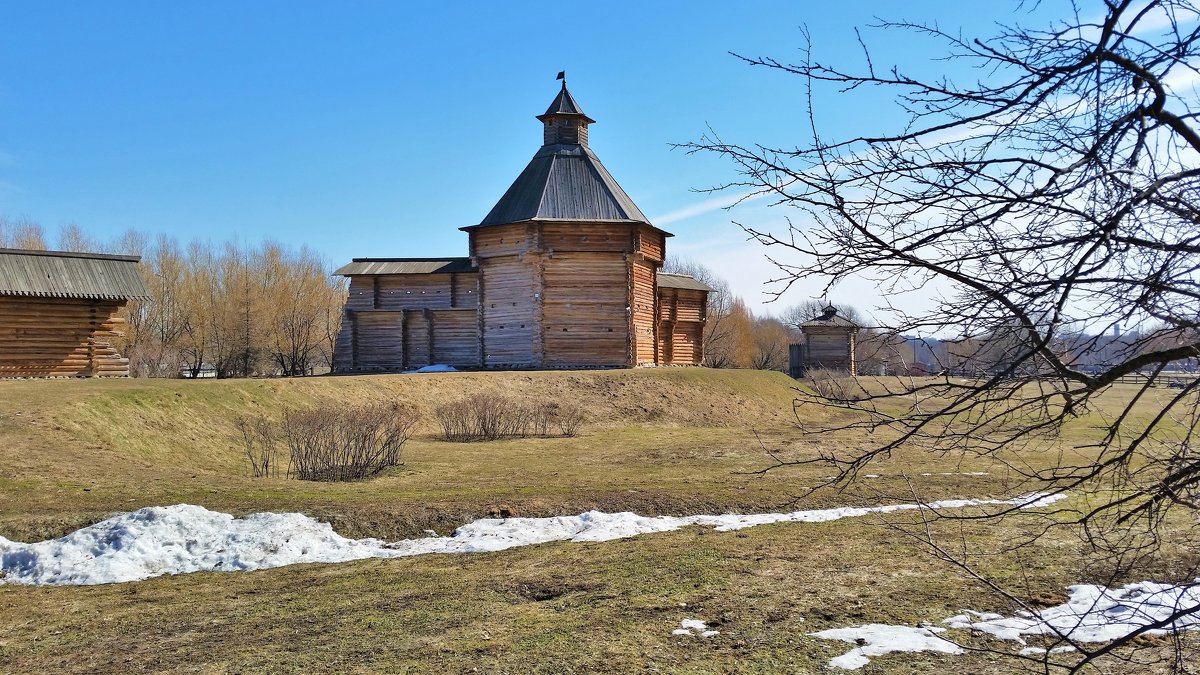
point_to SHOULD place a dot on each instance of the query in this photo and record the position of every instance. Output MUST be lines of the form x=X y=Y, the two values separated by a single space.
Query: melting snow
x=183 y=538
x=877 y=639
x=694 y=627
x=1091 y=614
x=435 y=368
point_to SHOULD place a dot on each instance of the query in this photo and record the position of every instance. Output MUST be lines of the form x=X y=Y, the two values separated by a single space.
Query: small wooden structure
x=563 y=273
x=58 y=311
x=829 y=343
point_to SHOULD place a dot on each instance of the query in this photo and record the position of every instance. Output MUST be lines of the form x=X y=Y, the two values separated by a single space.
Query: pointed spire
x=564 y=104
x=564 y=121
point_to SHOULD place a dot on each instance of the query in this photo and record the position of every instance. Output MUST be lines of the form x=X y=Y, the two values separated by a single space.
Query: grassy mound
x=74 y=451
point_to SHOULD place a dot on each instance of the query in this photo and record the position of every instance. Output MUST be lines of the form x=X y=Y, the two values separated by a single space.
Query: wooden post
x=428 y=314
x=353 y=317
x=93 y=326
x=405 y=347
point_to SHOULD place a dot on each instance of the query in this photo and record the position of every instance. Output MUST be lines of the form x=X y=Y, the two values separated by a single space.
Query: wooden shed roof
x=830 y=319
x=63 y=274
x=564 y=182
x=406 y=266
x=682 y=282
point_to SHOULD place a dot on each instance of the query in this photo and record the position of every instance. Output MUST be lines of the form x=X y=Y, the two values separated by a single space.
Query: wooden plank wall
x=586 y=237
x=504 y=240
x=642 y=303
x=377 y=340
x=456 y=337
x=681 y=319
x=406 y=321
x=651 y=243
x=831 y=348
x=585 y=319
x=46 y=337
x=548 y=294
x=509 y=318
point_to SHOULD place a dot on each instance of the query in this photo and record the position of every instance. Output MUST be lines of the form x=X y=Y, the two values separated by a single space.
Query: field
x=664 y=441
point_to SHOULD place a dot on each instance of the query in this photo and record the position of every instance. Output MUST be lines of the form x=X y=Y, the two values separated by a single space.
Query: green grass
x=663 y=441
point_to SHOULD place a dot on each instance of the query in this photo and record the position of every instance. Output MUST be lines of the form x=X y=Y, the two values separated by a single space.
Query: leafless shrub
x=455 y=420
x=489 y=417
x=570 y=419
x=336 y=443
x=543 y=418
x=832 y=385
x=261 y=444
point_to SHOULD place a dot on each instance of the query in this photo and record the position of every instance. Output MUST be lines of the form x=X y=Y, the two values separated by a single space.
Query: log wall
x=510 y=315
x=681 y=319
x=586 y=237
x=584 y=315
x=503 y=240
x=395 y=322
x=651 y=243
x=831 y=348
x=560 y=295
x=46 y=337
x=642 y=304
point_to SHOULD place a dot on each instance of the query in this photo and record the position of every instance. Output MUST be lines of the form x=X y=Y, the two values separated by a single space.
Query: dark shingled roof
x=63 y=274
x=681 y=281
x=829 y=319
x=564 y=182
x=406 y=266
x=564 y=104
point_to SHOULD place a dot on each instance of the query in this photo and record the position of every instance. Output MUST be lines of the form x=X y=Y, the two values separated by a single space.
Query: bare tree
x=21 y=233
x=1056 y=195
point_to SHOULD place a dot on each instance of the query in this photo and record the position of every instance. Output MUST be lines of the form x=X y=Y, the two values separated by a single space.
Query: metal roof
x=406 y=266
x=681 y=281
x=564 y=104
x=564 y=182
x=64 y=274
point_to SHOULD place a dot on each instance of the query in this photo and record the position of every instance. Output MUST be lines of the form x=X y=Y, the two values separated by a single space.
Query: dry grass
x=663 y=441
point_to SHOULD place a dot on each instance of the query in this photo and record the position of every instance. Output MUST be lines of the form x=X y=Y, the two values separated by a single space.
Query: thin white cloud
x=723 y=201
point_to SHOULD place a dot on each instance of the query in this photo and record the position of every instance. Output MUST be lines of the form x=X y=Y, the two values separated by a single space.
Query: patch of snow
x=1091 y=613
x=183 y=538
x=1034 y=651
x=1094 y=614
x=174 y=540
x=877 y=639
x=435 y=368
x=694 y=627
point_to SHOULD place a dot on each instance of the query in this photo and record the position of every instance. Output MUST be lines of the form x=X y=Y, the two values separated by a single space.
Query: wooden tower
x=563 y=273
x=567 y=262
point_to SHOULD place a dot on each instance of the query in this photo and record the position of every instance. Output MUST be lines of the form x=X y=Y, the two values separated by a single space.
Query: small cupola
x=565 y=123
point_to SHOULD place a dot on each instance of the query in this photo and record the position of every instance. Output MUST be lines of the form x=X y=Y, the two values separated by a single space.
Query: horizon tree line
x=224 y=310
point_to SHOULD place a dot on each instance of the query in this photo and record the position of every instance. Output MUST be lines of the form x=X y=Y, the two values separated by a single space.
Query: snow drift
x=1094 y=614
x=177 y=539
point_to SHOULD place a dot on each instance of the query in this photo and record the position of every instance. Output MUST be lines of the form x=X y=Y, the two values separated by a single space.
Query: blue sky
x=380 y=128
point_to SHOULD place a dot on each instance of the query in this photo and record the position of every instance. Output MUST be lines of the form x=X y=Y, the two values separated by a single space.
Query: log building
x=58 y=312
x=830 y=343
x=562 y=273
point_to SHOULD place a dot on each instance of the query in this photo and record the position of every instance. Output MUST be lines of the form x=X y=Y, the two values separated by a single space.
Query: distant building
x=562 y=273
x=58 y=312
x=829 y=343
